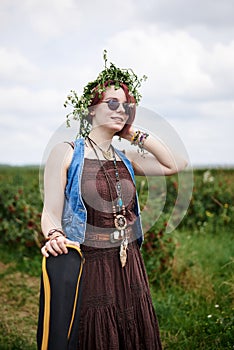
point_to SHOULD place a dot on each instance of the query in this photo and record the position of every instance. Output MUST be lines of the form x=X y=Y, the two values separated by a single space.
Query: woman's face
x=105 y=117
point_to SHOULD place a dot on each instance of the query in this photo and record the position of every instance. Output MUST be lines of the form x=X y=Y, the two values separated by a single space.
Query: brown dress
x=116 y=308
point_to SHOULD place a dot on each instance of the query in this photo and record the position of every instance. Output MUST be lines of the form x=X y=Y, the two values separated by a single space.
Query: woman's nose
x=121 y=109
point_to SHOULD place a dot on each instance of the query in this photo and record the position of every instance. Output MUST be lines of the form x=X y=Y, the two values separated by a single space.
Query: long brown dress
x=116 y=307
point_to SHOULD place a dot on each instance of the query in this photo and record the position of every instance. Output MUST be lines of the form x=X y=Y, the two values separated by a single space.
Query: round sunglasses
x=113 y=105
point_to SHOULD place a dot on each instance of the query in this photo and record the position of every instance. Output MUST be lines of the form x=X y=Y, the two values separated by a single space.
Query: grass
x=195 y=308
x=18 y=301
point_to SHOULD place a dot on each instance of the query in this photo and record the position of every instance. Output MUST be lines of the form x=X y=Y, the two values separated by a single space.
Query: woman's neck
x=102 y=139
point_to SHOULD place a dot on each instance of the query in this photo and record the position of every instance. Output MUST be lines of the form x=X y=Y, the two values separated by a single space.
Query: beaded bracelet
x=134 y=139
x=138 y=139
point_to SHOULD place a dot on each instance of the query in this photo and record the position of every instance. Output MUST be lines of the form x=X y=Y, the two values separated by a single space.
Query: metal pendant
x=120 y=222
x=123 y=252
x=108 y=155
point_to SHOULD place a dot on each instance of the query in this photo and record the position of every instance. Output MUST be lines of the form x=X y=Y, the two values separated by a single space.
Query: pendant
x=120 y=202
x=108 y=155
x=123 y=252
x=120 y=222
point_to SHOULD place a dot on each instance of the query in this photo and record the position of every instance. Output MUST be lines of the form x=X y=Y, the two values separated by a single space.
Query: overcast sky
x=185 y=47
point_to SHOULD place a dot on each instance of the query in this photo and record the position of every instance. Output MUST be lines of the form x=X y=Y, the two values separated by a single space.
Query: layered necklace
x=108 y=154
x=118 y=209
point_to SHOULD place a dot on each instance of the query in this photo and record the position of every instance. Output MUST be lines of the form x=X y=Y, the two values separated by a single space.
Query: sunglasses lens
x=113 y=105
x=127 y=108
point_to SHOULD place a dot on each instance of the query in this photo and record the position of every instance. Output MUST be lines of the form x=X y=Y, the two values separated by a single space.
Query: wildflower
x=207 y=177
x=216 y=306
x=209 y=214
x=209 y=316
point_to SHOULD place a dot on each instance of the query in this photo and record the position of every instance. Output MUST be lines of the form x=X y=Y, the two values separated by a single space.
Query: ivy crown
x=114 y=76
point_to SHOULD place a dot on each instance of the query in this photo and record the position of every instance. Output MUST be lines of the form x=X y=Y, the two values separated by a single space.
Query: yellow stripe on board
x=77 y=287
x=46 y=321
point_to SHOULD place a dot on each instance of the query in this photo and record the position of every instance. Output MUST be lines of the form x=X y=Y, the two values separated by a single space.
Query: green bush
x=211 y=207
x=158 y=253
x=20 y=207
x=212 y=202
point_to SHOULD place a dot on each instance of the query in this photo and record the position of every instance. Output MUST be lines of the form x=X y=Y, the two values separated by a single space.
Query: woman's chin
x=115 y=128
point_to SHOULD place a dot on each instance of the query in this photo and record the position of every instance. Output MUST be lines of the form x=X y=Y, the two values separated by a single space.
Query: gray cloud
x=183 y=13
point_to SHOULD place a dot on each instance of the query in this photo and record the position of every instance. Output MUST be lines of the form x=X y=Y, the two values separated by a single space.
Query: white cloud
x=181 y=13
x=223 y=109
x=15 y=67
x=208 y=140
x=177 y=64
x=218 y=62
x=43 y=20
x=52 y=18
x=189 y=83
x=29 y=104
x=25 y=146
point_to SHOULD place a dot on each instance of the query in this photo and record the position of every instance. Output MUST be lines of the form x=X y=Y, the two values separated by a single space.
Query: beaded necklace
x=120 y=220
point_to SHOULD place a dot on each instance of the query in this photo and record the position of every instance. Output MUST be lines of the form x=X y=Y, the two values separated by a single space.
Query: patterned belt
x=113 y=237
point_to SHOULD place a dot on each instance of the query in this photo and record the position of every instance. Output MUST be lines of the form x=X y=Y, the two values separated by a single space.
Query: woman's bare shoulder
x=61 y=155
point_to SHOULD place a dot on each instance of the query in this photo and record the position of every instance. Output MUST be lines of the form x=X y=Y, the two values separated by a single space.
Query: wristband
x=54 y=233
x=54 y=236
x=53 y=230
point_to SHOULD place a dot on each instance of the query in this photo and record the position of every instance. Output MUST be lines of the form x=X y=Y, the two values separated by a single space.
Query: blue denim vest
x=74 y=212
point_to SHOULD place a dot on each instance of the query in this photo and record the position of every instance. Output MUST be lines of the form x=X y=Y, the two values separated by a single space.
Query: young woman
x=91 y=202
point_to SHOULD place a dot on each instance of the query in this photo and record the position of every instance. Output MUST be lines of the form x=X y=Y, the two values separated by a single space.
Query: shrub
x=20 y=207
x=158 y=253
x=211 y=204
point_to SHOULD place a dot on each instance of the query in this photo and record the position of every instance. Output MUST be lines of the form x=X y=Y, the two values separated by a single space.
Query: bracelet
x=55 y=231
x=138 y=139
x=134 y=139
x=54 y=236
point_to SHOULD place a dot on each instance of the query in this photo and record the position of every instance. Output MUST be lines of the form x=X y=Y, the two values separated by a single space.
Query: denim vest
x=74 y=212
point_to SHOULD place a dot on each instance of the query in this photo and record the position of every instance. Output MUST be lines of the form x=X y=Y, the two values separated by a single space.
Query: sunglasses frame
x=127 y=106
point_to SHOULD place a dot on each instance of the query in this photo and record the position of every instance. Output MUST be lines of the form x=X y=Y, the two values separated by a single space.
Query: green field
x=191 y=270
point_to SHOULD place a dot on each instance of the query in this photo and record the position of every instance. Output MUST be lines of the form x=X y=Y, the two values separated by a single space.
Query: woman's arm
x=158 y=159
x=55 y=178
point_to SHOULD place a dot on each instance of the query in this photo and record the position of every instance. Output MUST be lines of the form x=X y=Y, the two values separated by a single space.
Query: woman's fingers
x=59 y=245
x=44 y=251
x=55 y=247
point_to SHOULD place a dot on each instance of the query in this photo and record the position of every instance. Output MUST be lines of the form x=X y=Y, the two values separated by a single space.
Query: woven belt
x=113 y=237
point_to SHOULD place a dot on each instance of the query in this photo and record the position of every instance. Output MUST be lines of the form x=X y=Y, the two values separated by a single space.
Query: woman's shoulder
x=64 y=146
x=60 y=155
